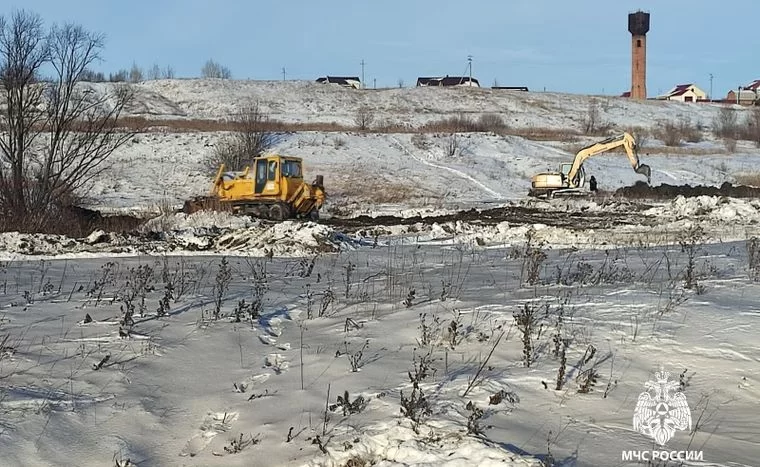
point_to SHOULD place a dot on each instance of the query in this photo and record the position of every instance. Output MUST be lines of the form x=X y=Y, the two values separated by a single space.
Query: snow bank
x=390 y=445
x=714 y=208
x=211 y=233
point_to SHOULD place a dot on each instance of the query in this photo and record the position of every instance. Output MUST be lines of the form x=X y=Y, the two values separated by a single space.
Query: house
x=626 y=94
x=754 y=86
x=741 y=96
x=448 y=81
x=348 y=81
x=745 y=95
x=685 y=93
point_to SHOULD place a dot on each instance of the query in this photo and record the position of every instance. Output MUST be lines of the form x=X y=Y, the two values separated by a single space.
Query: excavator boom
x=572 y=179
x=625 y=140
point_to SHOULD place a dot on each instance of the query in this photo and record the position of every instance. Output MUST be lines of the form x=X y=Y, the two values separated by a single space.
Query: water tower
x=638 y=26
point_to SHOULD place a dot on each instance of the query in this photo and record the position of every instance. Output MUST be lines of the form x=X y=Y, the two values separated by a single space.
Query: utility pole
x=469 y=63
x=711 y=87
x=362 y=64
x=374 y=81
x=283 y=73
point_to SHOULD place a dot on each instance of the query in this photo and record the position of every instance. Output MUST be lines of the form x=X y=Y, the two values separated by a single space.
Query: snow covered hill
x=304 y=101
x=366 y=171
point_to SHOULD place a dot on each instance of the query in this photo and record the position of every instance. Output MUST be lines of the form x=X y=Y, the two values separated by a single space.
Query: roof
x=338 y=79
x=445 y=80
x=626 y=94
x=682 y=89
x=754 y=85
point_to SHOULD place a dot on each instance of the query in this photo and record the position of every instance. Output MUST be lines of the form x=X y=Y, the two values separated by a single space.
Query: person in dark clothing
x=592 y=184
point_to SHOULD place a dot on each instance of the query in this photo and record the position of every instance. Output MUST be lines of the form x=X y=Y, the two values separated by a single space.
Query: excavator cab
x=580 y=177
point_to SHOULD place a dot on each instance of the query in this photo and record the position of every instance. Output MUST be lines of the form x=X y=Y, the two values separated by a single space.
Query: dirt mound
x=571 y=219
x=643 y=191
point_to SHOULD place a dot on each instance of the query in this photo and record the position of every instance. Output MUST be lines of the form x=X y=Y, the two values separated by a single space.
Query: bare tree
x=154 y=73
x=168 y=72
x=93 y=76
x=592 y=120
x=212 y=69
x=252 y=139
x=58 y=133
x=135 y=73
x=364 y=118
x=120 y=76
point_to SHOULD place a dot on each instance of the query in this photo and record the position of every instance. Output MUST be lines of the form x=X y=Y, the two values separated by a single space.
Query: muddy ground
x=79 y=222
x=575 y=220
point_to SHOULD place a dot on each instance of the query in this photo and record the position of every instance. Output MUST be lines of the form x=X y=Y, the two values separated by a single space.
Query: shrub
x=750 y=131
x=492 y=122
x=592 y=122
x=749 y=178
x=730 y=144
x=674 y=133
x=251 y=140
x=725 y=124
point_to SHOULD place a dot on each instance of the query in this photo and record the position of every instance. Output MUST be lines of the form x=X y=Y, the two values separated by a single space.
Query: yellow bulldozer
x=571 y=177
x=275 y=189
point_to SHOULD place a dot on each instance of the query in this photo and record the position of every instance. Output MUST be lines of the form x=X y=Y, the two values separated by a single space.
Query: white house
x=685 y=93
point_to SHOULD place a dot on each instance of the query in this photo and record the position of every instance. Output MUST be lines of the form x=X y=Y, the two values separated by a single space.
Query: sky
x=581 y=46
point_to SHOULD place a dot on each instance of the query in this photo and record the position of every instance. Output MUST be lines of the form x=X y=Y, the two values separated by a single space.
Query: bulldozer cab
x=277 y=176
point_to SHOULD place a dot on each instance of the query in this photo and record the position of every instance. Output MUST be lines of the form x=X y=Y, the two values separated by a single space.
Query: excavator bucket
x=645 y=170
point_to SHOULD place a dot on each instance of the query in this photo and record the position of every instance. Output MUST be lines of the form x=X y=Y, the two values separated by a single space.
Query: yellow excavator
x=571 y=177
x=274 y=190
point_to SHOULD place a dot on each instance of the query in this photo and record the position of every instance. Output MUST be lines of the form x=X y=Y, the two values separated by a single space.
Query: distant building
x=754 y=86
x=448 y=81
x=626 y=94
x=745 y=95
x=685 y=93
x=347 y=81
x=741 y=96
x=511 y=88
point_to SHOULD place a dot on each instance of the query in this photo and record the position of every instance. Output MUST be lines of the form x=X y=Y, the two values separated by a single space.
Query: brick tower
x=638 y=26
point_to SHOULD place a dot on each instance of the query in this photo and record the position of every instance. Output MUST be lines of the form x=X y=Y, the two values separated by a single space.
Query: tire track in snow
x=456 y=172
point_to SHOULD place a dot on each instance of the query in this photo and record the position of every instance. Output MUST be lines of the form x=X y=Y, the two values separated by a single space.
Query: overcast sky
x=580 y=46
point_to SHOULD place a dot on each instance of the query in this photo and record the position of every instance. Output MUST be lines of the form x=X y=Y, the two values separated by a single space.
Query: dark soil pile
x=643 y=191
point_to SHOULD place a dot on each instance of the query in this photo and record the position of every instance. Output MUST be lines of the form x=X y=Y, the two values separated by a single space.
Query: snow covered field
x=435 y=342
x=192 y=387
